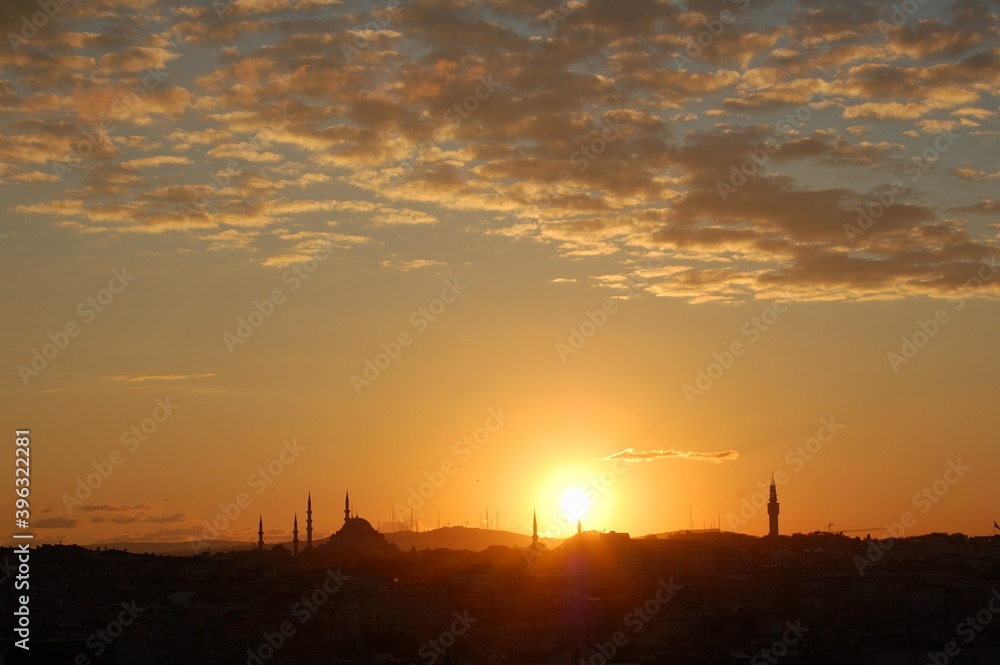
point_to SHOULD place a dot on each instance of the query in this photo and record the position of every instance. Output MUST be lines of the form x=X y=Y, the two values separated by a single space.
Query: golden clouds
x=589 y=134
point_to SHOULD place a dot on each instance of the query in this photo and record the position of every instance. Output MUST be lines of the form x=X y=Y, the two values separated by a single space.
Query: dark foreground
x=599 y=598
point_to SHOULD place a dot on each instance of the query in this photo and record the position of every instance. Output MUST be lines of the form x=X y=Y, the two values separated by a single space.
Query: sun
x=575 y=503
x=570 y=494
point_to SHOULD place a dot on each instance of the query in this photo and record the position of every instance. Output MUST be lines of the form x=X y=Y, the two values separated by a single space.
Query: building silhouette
x=309 y=522
x=356 y=537
x=772 y=510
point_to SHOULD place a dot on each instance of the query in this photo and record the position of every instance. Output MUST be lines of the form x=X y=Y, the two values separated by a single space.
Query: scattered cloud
x=55 y=523
x=630 y=455
x=592 y=137
x=157 y=378
x=411 y=264
x=113 y=508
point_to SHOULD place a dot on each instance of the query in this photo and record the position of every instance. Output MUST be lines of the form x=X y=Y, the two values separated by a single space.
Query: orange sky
x=505 y=253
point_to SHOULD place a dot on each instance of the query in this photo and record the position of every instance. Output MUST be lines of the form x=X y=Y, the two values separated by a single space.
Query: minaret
x=260 y=534
x=534 y=529
x=579 y=527
x=772 y=509
x=347 y=507
x=295 y=536
x=309 y=522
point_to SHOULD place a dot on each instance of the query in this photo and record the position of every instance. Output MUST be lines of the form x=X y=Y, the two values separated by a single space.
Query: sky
x=616 y=261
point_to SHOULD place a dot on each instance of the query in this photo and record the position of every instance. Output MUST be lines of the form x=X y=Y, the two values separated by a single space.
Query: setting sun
x=575 y=503
x=586 y=490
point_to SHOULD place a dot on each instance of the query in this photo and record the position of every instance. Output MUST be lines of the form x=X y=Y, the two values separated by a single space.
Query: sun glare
x=573 y=493
x=575 y=503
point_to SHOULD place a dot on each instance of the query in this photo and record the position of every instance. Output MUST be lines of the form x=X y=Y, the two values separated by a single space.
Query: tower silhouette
x=295 y=536
x=347 y=506
x=773 y=509
x=260 y=533
x=309 y=522
x=534 y=529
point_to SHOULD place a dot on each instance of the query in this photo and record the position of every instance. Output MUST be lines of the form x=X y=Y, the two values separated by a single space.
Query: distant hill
x=459 y=538
x=452 y=538
x=176 y=549
x=697 y=534
x=456 y=538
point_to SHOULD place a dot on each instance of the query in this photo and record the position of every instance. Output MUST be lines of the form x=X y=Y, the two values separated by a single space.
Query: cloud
x=113 y=508
x=405 y=265
x=630 y=455
x=158 y=160
x=144 y=518
x=976 y=174
x=55 y=523
x=985 y=207
x=588 y=134
x=158 y=378
x=312 y=246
